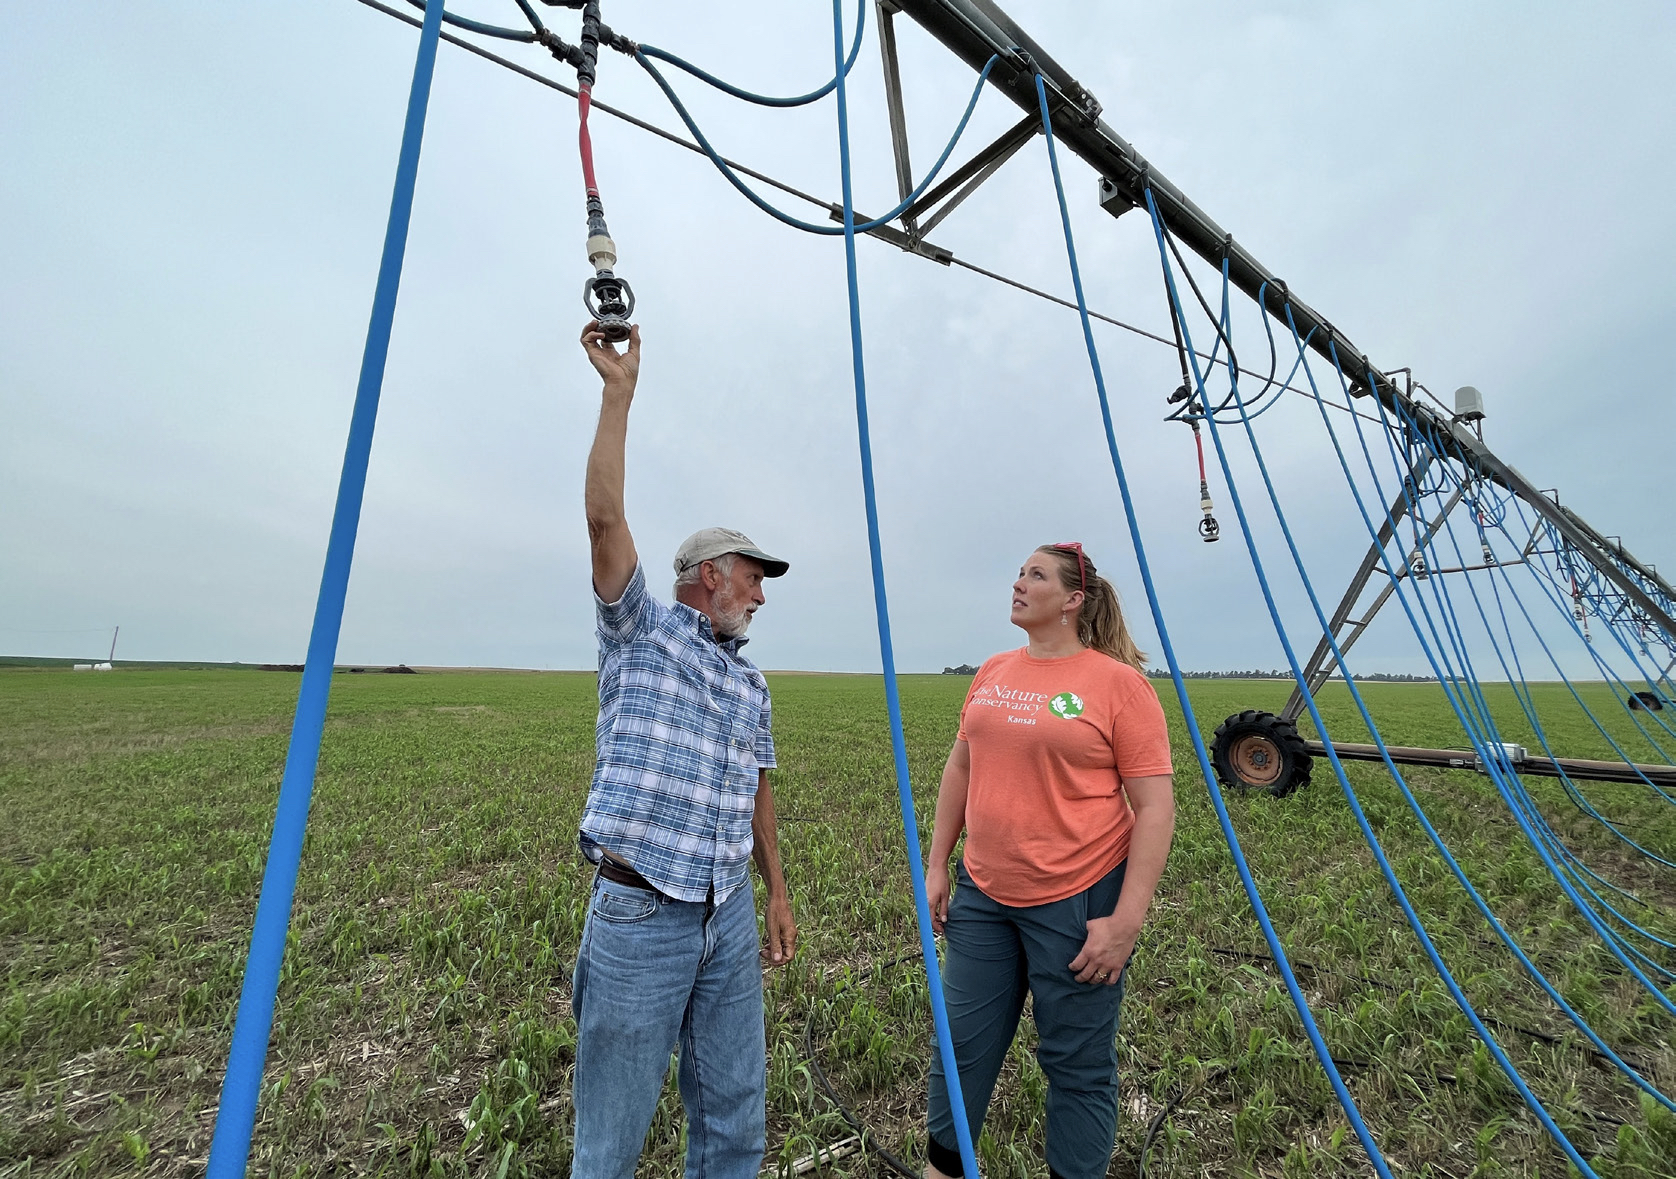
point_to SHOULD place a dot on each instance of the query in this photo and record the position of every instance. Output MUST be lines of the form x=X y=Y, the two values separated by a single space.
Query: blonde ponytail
x=1100 y=622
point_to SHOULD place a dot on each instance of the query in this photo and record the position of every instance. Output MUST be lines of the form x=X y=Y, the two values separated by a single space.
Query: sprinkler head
x=609 y=300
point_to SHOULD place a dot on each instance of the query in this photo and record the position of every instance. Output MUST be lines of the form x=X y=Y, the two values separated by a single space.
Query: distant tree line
x=1378 y=677
x=1271 y=674
x=1160 y=673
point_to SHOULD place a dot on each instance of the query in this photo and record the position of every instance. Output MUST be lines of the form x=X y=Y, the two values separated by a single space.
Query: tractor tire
x=1258 y=751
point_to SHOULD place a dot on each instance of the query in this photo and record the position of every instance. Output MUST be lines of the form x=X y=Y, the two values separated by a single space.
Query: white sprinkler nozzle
x=602 y=252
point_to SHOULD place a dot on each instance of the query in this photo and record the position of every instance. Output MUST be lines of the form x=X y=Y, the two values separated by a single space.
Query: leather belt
x=618 y=874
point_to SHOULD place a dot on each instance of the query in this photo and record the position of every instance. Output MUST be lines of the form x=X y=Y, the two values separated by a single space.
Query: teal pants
x=994 y=955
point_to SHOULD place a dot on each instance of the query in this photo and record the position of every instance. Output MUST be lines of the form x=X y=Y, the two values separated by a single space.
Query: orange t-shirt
x=1052 y=741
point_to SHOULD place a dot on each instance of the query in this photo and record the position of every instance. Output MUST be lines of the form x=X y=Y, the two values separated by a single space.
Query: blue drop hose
x=893 y=701
x=235 y=1118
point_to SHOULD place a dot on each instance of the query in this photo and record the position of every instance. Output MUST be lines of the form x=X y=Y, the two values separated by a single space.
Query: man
x=679 y=802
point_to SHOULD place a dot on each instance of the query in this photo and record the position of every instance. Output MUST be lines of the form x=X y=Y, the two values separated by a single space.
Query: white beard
x=731 y=620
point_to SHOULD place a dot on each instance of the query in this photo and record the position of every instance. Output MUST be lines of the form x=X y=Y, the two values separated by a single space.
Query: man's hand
x=937 y=892
x=780 y=940
x=1108 y=947
x=619 y=370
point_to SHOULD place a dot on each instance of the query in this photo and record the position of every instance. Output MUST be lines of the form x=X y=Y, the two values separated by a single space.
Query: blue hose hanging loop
x=477 y=26
x=786 y=218
x=1515 y=676
x=904 y=789
x=1194 y=733
x=236 y=1116
x=1544 y=837
x=1398 y=893
x=763 y=99
x=1491 y=764
x=1413 y=803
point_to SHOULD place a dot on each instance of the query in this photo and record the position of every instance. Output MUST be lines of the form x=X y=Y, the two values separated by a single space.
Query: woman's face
x=1039 y=597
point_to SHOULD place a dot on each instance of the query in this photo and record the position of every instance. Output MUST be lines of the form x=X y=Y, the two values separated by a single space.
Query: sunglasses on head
x=1082 y=568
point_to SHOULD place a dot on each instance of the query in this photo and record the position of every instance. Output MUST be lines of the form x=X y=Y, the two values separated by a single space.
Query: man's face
x=737 y=598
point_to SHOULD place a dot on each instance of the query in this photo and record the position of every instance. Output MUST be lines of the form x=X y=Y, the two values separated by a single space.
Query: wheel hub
x=1257 y=760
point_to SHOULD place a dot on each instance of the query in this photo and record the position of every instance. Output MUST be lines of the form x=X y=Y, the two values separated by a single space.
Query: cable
x=786 y=218
x=74 y=630
x=1222 y=335
x=1156 y=1125
x=899 y=747
x=895 y=1163
x=477 y=26
x=760 y=99
x=529 y=15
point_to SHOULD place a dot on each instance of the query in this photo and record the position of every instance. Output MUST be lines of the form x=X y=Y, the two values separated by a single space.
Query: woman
x=1060 y=778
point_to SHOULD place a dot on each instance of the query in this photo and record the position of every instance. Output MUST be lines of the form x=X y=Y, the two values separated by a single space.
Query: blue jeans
x=653 y=974
x=993 y=955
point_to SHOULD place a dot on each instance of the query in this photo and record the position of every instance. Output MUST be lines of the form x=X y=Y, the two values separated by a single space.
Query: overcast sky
x=193 y=200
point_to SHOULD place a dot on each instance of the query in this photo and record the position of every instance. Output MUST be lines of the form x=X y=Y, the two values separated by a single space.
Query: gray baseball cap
x=709 y=543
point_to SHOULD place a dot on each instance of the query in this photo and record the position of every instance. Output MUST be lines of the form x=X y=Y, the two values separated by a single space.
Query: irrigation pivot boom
x=976 y=31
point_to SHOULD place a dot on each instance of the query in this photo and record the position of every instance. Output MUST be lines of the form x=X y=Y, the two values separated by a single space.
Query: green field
x=423 y=1024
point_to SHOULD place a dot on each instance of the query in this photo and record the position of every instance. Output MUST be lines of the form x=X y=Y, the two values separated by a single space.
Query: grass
x=422 y=1026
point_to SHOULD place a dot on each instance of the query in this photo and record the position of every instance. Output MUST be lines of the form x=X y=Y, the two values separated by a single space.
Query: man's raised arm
x=614 y=557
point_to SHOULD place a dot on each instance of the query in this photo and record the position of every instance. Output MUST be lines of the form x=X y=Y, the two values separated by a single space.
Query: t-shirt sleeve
x=623 y=621
x=1140 y=736
x=765 y=736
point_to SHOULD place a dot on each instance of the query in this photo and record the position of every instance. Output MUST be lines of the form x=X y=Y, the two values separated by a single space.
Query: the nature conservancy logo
x=1020 y=703
x=1066 y=705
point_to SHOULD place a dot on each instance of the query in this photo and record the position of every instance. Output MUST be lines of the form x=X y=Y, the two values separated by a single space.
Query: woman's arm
x=1112 y=939
x=946 y=829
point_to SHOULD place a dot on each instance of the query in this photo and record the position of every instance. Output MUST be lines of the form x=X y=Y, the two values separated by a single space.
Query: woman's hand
x=937 y=892
x=1103 y=955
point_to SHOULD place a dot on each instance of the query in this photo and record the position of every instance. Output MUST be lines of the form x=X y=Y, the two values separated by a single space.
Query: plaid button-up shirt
x=683 y=729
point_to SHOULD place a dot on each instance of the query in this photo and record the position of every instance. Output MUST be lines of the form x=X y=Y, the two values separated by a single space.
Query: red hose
x=584 y=95
x=1200 y=443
